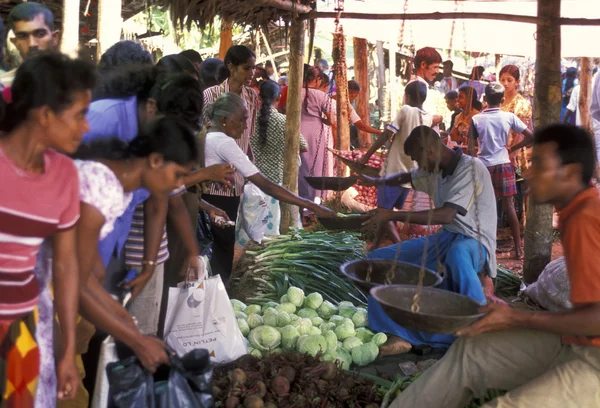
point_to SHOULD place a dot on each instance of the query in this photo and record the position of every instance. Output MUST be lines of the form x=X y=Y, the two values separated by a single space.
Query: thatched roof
x=257 y=13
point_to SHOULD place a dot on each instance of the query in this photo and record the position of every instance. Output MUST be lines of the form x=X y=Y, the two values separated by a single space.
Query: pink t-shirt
x=32 y=207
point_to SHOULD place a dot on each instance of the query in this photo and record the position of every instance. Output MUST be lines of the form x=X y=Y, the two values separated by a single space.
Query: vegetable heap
x=291 y=380
x=308 y=260
x=309 y=325
x=366 y=195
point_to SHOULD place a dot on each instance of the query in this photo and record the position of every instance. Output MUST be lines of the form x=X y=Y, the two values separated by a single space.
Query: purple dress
x=317 y=161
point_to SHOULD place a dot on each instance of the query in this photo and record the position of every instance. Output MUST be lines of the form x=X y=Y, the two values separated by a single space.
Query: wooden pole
x=498 y=62
x=381 y=81
x=393 y=84
x=539 y=20
x=270 y=53
x=289 y=213
x=341 y=84
x=361 y=73
x=109 y=25
x=69 y=43
x=548 y=96
x=226 y=40
x=585 y=94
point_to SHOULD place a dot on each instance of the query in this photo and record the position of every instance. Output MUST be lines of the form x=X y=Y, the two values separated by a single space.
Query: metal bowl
x=353 y=222
x=331 y=183
x=441 y=311
x=359 y=167
x=404 y=273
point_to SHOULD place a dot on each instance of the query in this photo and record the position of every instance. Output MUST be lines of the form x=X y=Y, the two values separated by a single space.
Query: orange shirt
x=580 y=233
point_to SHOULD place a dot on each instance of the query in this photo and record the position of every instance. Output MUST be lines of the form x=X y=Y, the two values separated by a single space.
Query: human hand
x=217 y=212
x=497 y=317
x=193 y=269
x=151 y=352
x=67 y=378
x=437 y=119
x=378 y=217
x=222 y=173
x=137 y=285
x=368 y=180
x=321 y=211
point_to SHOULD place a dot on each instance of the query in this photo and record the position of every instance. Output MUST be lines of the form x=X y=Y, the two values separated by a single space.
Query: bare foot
x=491 y=298
x=519 y=253
x=394 y=346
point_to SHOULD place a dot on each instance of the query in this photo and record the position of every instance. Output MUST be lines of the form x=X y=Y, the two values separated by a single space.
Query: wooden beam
x=284 y=5
x=69 y=40
x=539 y=20
x=361 y=73
x=585 y=95
x=341 y=86
x=226 y=40
x=289 y=213
x=109 y=25
x=548 y=96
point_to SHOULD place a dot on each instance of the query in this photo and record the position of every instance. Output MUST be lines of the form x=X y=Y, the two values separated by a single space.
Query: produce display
x=308 y=260
x=309 y=325
x=366 y=196
x=289 y=380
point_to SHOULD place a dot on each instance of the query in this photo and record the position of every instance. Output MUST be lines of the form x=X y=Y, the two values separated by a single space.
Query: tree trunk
x=226 y=38
x=341 y=86
x=361 y=73
x=585 y=94
x=548 y=96
x=381 y=81
x=289 y=213
x=109 y=25
x=69 y=43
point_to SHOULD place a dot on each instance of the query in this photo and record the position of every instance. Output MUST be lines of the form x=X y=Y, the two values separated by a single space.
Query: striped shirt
x=134 y=246
x=253 y=102
x=32 y=207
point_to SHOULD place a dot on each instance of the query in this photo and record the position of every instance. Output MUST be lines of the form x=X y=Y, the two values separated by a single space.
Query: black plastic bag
x=131 y=386
x=204 y=234
x=199 y=373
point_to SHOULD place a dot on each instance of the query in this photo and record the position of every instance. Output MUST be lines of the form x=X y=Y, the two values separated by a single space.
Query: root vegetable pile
x=366 y=195
x=291 y=380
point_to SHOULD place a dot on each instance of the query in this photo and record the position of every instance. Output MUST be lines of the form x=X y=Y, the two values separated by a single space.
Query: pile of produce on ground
x=292 y=380
x=506 y=283
x=305 y=259
x=361 y=198
x=309 y=325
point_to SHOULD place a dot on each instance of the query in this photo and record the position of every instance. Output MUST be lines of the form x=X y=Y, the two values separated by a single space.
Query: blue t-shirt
x=109 y=118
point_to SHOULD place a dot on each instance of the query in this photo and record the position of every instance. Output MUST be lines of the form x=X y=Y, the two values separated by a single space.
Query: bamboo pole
x=585 y=94
x=361 y=73
x=539 y=20
x=341 y=82
x=289 y=213
x=69 y=43
x=548 y=96
x=226 y=40
x=109 y=25
x=393 y=84
x=381 y=81
x=498 y=63
x=270 y=53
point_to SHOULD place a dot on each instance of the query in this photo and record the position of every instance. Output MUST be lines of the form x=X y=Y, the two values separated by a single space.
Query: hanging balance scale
x=407 y=292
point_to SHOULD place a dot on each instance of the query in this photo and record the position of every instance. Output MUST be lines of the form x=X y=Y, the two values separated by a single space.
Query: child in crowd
x=451 y=98
x=468 y=103
x=409 y=117
x=492 y=128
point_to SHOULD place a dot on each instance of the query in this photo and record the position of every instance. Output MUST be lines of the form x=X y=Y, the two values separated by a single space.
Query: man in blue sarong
x=465 y=206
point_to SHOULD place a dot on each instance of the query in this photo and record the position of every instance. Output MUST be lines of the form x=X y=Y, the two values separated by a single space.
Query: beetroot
x=280 y=386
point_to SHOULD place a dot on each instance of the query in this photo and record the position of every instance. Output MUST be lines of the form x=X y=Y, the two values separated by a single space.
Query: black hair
x=428 y=55
x=213 y=72
x=175 y=64
x=419 y=137
x=324 y=78
x=47 y=79
x=192 y=55
x=450 y=95
x=448 y=63
x=237 y=55
x=168 y=136
x=127 y=81
x=269 y=64
x=478 y=105
x=310 y=73
x=573 y=145
x=571 y=76
x=470 y=92
x=124 y=53
x=179 y=95
x=494 y=92
x=416 y=91
x=353 y=86
x=29 y=11
x=269 y=92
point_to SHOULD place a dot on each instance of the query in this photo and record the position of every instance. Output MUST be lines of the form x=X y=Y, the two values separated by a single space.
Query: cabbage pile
x=309 y=325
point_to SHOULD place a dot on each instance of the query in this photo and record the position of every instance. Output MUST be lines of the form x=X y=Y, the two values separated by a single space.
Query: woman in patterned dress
x=468 y=102
x=515 y=103
x=43 y=112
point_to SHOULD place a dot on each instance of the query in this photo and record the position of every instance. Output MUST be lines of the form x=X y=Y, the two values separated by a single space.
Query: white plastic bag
x=253 y=213
x=108 y=354
x=199 y=315
x=552 y=290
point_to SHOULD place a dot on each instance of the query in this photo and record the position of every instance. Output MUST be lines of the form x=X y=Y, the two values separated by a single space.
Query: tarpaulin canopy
x=489 y=36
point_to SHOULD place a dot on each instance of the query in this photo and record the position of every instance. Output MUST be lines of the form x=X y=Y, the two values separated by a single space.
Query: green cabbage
x=313 y=345
x=332 y=341
x=362 y=355
x=296 y=296
x=283 y=319
x=268 y=310
x=289 y=337
x=284 y=299
x=373 y=349
x=241 y=315
x=301 y=340
x=313 y=301
x=254 y=352
x=316 y=321
x=329 y=356
x=286 y=307
x=244 y=328
x=304 y=326
x=379 y=339
x=327 y=309
x=306 y=312
x=344 y=331
x=352 y=342
x=270 y=304
x=325 y=327
x=277 y=350
x=344 y=358
x=346 y=309
x=365 y=335
x=347 y=321
x=295 y=317
x=314 y=330
x=237 y=305
x=254 y=320
x=360 y=318
x=337 y=320
x=264 y=338
x=256 y=309
x=270 y=318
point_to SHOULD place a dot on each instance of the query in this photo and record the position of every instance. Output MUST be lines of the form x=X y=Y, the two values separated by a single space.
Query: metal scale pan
x=331 y=183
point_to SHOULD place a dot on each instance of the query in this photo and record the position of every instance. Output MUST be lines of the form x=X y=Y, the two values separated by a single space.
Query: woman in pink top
x=39 y=198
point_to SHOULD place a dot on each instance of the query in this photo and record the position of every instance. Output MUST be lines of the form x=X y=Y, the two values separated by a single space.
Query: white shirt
x=448 y=84
x=492 y=127
x=573 y=106
x=221 y=148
